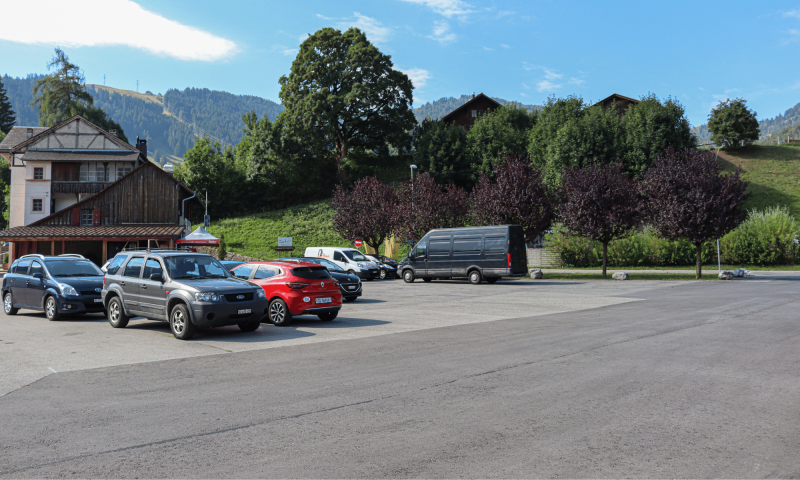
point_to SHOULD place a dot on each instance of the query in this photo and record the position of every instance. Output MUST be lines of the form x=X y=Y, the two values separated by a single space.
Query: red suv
x=294 y=288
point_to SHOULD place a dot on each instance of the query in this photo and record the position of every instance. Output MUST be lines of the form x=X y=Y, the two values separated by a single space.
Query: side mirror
x=38 y=276
x=157 y=277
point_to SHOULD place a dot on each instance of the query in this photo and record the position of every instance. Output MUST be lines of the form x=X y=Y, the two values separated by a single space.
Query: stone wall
x=231 y=256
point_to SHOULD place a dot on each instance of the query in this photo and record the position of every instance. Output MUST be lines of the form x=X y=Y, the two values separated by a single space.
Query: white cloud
x=792 y=13
x=290 y=51
x=505 y=13
x=418 y=76
x=505 y=46
x=95 y=23
x=576 y=81
x=374 y=29
x=547 y=86
x=442 y=33
x=488 y=49
x=525 y=85
x=551 y=75
x=447 y=8
x=523 y=94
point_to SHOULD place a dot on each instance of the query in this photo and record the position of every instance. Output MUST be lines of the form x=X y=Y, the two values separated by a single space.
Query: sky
x=698 y=52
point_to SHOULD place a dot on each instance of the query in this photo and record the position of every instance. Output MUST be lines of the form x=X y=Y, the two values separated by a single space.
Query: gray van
x=475 y=253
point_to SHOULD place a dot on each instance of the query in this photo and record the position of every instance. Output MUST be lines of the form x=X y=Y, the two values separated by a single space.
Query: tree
x=649 y=128
x=732 y=124
x=440 y=149
x=368 y=212
x=599 y=202
x=518 y=196
x=432 y=207
x=502 y=131
x=554 y=115
x=343 y=97
x=689 y=197
x=222 y=250
x=7 y=117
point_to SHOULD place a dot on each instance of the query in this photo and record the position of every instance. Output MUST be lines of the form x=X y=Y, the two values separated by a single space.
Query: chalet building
x=76 y=188
x=620 y=102
x=465 y=115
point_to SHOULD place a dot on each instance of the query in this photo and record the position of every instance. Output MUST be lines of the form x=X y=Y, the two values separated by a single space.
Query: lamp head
x=413 y=166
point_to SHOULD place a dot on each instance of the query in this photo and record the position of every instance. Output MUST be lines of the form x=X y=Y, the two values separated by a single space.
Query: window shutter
x=76 y=216
x=96 y=216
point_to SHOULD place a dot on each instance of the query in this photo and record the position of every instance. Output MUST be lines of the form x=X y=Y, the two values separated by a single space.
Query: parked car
x=230 y=264
x=294 y=288
x=387 y=260
x=186 y=289
x=387 y=271
x=55 y=285
x=349 y=284
x=476 y=253
x=349 y=259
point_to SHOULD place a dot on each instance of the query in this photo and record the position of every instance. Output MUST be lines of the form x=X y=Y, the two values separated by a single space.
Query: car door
x=35 y=286
x=419 y=259
x=131 y=283
x=439 y=256
x=264 y=277
x=153 y=294
x=18 y=280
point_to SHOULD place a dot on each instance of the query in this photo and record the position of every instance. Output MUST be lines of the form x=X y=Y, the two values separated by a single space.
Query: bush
x=768 y=237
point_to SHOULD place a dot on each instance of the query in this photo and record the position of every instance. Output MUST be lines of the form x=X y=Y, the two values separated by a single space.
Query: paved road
x=697 y=379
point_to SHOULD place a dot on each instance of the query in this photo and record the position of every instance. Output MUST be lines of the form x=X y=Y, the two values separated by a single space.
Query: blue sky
x=696 y=51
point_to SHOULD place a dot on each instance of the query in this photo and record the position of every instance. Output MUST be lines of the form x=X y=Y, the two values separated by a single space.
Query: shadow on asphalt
x=364 y=300
x=79 y=318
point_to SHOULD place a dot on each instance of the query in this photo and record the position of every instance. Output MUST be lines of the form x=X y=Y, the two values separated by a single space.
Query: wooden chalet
x=465 y=115
x=141 y=208
x=620 y=102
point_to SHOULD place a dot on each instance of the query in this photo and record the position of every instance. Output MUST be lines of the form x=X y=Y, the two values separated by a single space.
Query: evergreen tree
x=441 y=150
x=7 y=117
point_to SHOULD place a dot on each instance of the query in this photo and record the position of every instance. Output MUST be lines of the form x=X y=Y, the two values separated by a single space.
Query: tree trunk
x=699 y=261
x=605 y=258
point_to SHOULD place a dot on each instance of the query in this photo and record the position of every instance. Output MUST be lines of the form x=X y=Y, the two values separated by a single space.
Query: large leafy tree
x=517 y=196
x=650 y=127
x=433 y=206
x=369 y=211
x=689 y=197
x=554 y=115
x=440 y=149
x=732 y=124
x=7 y=116
x=599 y=202
x=343 y=98
x=502 y=131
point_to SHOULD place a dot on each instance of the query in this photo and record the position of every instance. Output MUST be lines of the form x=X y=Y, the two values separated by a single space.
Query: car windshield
x=311 y=273
x=73 y=268
x=194 y=267
x=355 y=256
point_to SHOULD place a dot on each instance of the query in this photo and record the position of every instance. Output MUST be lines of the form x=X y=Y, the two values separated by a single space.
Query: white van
x=350 y=259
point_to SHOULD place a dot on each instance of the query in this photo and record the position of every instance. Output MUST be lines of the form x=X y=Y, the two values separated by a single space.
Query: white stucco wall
x=36 y=189
x=64 y=200
x=17 y=200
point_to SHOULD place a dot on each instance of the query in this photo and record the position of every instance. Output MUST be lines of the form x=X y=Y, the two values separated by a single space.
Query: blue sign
x=206 y=221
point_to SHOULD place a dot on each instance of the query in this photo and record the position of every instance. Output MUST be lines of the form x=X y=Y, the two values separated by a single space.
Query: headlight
x=206 y=297
x=261 y=293
x=67 y=289
x=361 y=265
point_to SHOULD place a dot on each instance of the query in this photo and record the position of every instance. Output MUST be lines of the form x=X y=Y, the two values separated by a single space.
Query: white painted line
x=51 y=369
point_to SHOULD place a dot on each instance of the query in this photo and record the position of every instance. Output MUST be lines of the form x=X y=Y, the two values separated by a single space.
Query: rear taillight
x=297 y=285
x=509 y=260
x=104 y=282
x=335 y=282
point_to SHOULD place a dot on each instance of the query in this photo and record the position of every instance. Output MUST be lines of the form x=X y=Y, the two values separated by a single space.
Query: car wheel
x=328 y=316
x=116 y=313
x=8 y=304
x=181 y=323
x=492 y=279
x=475 y=277
x=249 y=327
x=279 y=313
x=408 y=276
x=350 y=299
x=350 y=272
x=51 y=309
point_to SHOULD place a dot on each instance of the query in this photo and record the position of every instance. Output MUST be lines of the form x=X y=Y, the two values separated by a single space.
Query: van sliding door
x=439 y=256
x=466 y=253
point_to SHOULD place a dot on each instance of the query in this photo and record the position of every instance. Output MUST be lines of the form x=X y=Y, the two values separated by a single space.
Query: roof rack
x=73 y=255
x=33 y=255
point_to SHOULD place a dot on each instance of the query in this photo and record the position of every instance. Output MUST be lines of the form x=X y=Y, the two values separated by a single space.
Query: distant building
x=465 y=115
x=622 y=103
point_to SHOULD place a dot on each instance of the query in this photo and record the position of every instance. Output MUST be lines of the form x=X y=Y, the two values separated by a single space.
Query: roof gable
x=18 y=135
x=76 y=133
x=617 y=96
x=469 y=102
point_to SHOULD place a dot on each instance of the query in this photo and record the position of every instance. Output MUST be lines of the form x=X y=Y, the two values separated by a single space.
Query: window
x=473 y=113
x=36 y=267
x=355 y=256
x=60 y=267
x=195 y=266
x=311 y=273
x=243 y=271
x=467 y=244
x=337 y=256
x=134 y=267
x=37 y=205
x=495 y=244
x=22 y=267
x=38 y=173
x=116 y=263
x=152 y=267
x=420 y=250
x=101 y=173
x=87 y=217
x=265 y=271
x=123 y=169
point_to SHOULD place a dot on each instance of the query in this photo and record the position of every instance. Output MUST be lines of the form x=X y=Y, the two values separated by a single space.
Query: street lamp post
x=412 y=198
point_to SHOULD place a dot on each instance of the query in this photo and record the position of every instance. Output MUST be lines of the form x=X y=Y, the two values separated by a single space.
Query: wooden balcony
x=78 y=187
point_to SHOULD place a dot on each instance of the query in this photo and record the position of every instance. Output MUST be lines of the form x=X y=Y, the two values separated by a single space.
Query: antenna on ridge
x=137 y=86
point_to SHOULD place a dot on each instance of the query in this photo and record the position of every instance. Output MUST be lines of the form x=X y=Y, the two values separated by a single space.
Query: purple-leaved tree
x=433 y=207
x=369 y=211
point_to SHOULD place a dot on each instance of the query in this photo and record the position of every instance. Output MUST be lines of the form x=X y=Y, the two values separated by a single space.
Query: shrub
x=767 y=237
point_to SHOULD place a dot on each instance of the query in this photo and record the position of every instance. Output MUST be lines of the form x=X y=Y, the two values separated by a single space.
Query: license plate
x=242 y=312
x=323 y=300
x=351 y=288
x=97 y=300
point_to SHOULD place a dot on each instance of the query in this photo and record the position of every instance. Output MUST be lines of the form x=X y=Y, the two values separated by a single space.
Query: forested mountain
x=771 y=128
x=171 y=122
x=445 y=105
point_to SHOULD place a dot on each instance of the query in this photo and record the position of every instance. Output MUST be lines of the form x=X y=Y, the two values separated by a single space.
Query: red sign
x=358 y=243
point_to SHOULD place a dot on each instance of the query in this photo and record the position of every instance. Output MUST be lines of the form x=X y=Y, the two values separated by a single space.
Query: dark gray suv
x=186 y=289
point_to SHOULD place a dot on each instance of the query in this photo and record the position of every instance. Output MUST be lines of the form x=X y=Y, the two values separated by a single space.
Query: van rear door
x=517 y=249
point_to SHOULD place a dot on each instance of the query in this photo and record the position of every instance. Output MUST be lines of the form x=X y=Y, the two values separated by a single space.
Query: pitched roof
x=466 y=104
x=75 y=156
x=617 y=95
x=77 y=118
x=18 y=135
x=72 y=231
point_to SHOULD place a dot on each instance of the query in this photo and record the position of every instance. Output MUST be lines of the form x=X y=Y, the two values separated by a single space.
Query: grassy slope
x=130 y=93
x=773 y=172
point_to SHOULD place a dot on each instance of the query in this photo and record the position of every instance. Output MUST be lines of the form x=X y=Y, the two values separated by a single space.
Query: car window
x=495 y=244
x=355 y=256
x=330 y=265
x=311 y=273
x=420 y=250
x=72 y=268
x=243 y=271
x=36 y=267
x=339 y=257
x=113 y=267
x=134 y=267
x=195 y=267
x=22 y=267
x=152 y=267
x=265 y=271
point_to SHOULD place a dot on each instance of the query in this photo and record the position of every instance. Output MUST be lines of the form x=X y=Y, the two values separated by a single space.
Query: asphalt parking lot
x=518 y=379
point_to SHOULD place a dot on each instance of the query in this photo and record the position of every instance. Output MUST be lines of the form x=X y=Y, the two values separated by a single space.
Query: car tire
x=351 y=272
x=475 y=277
x=350 y=299
x=408 y=276
x=383 y=274
x=249 y=327
x=279 y=313
x=492 y=279
x=181 y=323
x=116 y=313
x=328 y=316
x=51 y=309
x=8 y=304
x=427 y=280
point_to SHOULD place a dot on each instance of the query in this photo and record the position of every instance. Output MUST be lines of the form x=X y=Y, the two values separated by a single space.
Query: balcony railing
x=78 y=187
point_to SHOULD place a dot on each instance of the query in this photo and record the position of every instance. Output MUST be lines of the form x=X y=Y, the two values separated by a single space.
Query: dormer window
x=38 y=173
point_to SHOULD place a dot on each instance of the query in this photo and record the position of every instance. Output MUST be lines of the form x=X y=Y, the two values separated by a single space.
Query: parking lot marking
x=51 y=369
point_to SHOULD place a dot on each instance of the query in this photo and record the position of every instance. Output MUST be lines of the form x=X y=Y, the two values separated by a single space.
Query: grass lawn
x=631 y=276
x=773 y=172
